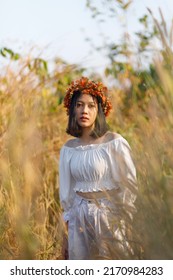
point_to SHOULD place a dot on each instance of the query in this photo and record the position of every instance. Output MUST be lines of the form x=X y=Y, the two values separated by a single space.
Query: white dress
x=92 y=168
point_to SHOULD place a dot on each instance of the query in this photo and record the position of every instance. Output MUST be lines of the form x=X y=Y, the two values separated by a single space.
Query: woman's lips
x=84 y=119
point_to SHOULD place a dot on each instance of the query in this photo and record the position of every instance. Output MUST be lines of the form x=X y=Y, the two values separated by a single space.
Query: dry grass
x=31 y=136
x=32 y=130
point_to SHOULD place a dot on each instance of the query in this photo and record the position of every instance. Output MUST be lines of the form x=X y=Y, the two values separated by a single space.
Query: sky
x=60 y=28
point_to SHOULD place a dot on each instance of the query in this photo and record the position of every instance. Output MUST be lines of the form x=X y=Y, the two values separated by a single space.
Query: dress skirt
x=95 y=230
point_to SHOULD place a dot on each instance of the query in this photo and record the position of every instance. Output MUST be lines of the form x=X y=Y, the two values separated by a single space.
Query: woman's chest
x=90 y=165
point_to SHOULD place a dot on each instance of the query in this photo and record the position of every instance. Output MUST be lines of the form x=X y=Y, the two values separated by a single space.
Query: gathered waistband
x=98 y=195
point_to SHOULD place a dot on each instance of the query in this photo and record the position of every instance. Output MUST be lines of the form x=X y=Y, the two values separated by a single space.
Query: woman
x=97 y=176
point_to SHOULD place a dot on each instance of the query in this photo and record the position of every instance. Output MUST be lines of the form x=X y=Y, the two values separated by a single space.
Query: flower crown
x=87 y=86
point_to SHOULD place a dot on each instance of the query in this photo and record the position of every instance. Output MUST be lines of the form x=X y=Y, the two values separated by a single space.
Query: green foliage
x=8 y=53
x=40 y=66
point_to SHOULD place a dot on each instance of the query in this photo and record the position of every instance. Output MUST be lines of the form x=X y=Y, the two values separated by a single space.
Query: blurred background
x=44 y=45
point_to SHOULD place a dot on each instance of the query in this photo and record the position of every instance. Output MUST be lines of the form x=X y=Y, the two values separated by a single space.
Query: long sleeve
x=66 y=182
x=124 y=172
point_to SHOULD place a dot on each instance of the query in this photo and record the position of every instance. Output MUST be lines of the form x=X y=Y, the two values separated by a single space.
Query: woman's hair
x=74 y=129
x=86 y=86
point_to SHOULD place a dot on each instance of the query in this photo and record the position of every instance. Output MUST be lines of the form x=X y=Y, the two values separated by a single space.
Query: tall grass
x=32 y=130
x=154 y=224
x=31 y=136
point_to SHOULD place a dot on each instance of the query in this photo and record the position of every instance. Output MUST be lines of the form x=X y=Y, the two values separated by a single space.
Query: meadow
x=32 y=131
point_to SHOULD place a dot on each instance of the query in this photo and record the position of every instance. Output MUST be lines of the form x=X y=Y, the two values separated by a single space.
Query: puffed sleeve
x=66 y=182
x=124 y=172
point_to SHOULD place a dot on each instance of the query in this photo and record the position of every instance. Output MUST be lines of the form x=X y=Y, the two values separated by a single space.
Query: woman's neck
x=86 y=137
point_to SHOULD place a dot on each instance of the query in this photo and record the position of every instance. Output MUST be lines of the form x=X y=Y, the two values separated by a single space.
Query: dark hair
x=100 y=128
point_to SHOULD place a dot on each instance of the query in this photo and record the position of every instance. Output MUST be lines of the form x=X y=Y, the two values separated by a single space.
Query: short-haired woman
x=97 y=176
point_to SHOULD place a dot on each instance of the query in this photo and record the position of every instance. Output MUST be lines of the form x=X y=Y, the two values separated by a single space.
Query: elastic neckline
x=92 y=146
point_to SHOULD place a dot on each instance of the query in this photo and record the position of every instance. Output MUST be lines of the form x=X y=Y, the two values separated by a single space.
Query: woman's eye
x=79 y=105
x=91 y=106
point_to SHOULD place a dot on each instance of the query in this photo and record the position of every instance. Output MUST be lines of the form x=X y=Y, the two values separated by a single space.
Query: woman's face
x=86 y=110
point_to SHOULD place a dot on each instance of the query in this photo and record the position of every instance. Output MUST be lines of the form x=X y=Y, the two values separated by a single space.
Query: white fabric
x=94 y=230
x=96 y=167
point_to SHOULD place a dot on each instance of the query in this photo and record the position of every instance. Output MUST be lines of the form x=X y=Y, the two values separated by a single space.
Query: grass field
x=32 y=131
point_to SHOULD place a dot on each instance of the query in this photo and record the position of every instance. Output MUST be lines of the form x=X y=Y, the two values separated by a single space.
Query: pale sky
x=59 y=27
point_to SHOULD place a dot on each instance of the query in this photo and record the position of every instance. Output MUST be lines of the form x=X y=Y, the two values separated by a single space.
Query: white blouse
x=95 y=167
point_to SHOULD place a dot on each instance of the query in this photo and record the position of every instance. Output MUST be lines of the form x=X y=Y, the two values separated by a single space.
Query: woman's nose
x=85 y=109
